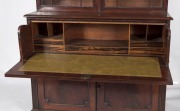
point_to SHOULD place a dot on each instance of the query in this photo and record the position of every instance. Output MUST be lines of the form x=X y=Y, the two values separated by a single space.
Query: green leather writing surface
x=94 y=65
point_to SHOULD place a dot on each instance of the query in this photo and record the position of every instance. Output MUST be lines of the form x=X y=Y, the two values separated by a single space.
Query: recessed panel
x=126 y=97
x=66 y=92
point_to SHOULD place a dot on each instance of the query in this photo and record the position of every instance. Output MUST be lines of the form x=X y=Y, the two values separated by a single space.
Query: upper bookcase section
x=105 y=6
x=68 y=5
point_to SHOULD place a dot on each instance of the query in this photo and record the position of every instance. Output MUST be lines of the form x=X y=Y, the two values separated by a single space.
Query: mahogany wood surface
x=66 y=95
x=25 y=41
x=110 y=96
x=97 y=27
x=135 y=97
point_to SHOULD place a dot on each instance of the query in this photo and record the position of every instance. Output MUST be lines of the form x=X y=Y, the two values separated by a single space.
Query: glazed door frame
x=51 y=7
x=134 y=9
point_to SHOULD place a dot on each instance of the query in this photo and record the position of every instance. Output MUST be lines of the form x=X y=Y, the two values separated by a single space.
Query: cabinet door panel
x=66 y=95
x=124 y=97
x=62 y=90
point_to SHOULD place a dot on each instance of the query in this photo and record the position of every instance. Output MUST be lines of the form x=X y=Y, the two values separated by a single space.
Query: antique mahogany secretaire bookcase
x=96 y=55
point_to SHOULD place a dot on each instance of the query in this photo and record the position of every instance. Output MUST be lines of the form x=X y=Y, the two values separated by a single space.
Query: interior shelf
x=100 y=43
x=48 y=48
x=97 y=38
x=48 y=37
x=58 y=39
x=146 y=39
x=141 y=38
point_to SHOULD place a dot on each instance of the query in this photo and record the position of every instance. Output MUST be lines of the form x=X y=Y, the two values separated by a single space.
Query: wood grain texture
x=66 y=95
x=162 y=98
x=25 y=41
x=107 y=38
x=34 y=87
x=125 y=97
x=114 y=28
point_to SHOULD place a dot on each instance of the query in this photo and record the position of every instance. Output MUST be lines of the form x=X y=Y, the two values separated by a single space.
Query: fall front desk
x=90 y=82
x=96 y=55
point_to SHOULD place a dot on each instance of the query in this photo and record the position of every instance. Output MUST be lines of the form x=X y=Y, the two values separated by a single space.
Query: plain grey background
x=15 y=93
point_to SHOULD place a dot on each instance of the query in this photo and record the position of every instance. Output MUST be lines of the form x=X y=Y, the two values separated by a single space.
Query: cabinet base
x=84 y=95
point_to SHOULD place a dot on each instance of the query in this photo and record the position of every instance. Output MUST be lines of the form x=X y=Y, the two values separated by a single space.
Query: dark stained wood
x=167 y=42
x=162 y=98
x=47 y=37
x=25 y=41
x=125 y=97
x=155 y=99
x=35 y=99
x=141 y=39
x=114 y=46
x=66 y=95
x=137 y=17
x=97 y=27
x=38 y=4
x=99 y=43
x=49 y=40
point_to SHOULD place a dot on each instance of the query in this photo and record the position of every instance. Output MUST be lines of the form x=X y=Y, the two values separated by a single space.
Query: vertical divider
x=32 y=31
x=64 y=43
x=129 y=45
x=117 y=3
x=147 y=31
x=81 y=3
x=35 y=29
x=51 y=2
x=150 y=3
x=163 y=38
x=50 y=29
